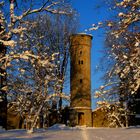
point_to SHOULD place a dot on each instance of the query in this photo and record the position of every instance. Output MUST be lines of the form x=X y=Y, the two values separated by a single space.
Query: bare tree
x=56 y=39
x=123 y=49
x=15 y=38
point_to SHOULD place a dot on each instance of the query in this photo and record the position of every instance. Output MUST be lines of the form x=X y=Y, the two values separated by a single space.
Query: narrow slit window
x=81 y=81
x=80 y=52
x=79 y=62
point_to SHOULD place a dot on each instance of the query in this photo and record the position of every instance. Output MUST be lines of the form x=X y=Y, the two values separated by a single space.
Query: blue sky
x=91 y=12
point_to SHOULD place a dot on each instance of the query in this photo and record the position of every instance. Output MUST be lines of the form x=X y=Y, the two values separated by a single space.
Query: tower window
x=80 y=52
x=81 y=81
x=81 y=62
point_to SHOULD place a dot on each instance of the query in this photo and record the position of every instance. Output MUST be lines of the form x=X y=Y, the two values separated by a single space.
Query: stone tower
x=80 y=80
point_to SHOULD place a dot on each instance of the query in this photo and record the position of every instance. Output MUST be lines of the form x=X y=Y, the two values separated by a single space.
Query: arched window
x=81 y=52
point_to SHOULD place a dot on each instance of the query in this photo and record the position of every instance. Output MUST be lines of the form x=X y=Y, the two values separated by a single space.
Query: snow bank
x=58 y=127
x=63 y=132
x=64 y=127
x=1 y=129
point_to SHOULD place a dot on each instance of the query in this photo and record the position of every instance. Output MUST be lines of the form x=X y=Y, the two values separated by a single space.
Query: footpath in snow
x=62 y=132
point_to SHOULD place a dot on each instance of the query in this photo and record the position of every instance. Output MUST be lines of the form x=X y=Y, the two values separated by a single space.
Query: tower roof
x=83 y=34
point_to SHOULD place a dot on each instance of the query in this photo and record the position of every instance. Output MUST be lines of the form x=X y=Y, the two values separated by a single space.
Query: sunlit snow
x=62 y=132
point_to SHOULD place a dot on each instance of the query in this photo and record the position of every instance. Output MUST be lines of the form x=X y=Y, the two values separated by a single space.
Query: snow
x=62 y=132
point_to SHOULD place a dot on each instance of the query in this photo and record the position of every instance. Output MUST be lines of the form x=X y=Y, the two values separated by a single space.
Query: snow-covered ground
x=61 y=132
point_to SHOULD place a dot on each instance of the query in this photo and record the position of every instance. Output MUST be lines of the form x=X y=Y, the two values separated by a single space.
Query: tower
x=80 y=79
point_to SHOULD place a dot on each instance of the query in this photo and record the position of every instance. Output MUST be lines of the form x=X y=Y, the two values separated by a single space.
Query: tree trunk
x=3 y=94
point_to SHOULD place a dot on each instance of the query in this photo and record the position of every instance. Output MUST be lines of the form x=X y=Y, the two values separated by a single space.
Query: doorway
x=81 y=118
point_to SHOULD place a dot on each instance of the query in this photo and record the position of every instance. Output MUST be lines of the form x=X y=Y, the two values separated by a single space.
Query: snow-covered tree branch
x=123 y=56
x=29 y=65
